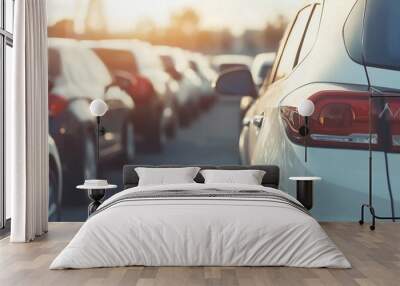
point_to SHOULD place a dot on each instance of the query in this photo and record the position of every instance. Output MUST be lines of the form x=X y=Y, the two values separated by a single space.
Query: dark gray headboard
x=271 y=177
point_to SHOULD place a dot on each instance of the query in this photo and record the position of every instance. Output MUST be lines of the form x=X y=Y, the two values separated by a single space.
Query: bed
x=198 y=224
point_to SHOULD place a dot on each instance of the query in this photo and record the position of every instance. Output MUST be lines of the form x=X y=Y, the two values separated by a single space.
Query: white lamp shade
x=98 y=107
x=306 y=108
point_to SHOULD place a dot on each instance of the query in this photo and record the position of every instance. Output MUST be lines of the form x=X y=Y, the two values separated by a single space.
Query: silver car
x=336 y=54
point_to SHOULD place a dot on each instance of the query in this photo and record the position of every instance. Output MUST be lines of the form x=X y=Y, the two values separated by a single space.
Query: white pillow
x=163 y=176
x=248 y=177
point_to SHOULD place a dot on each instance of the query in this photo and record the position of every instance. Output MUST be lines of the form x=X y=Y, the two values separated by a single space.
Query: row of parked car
x=150 y=92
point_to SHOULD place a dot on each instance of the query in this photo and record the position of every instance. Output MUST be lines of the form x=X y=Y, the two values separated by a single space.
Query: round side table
x=96 y=194
x=304 y=190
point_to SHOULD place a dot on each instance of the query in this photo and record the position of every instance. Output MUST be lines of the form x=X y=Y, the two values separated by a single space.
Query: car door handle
x=246 y=122
x=258 y=120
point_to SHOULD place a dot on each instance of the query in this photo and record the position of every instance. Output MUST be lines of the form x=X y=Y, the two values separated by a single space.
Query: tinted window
x=264 y=71
x=312 y=32
x=353 y=31
x=382 y=33
x=117 y=60
x=169 y=67
x=167 y=61
x=225 y=67
x=289 y=53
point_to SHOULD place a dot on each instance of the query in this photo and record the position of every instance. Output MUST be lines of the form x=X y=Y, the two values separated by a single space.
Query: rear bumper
x=344 y=184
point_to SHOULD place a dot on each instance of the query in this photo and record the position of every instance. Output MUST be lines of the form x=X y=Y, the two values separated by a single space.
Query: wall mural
x=155 y=63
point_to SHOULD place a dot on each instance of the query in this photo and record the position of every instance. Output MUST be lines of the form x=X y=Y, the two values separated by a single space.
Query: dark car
x=138 y=70
x=55 y=181
x=76 y=77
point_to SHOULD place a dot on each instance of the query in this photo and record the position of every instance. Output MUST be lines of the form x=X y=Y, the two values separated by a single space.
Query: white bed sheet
x=200 y=232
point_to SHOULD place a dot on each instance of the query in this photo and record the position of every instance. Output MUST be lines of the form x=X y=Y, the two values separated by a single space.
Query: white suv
x=336 y=54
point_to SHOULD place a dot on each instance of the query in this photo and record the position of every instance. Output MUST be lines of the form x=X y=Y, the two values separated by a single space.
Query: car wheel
x=129 y=143
x=54 y=207
x=82 y=166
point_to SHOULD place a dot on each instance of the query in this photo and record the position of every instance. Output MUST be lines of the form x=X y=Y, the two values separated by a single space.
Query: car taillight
x=57 y=104
x=390 y=118
x=143 y=89
x=341 y=120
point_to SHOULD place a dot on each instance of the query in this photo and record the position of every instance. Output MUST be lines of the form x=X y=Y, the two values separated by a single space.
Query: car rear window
x=117 y=60
x=381 y=33
x=225 y=67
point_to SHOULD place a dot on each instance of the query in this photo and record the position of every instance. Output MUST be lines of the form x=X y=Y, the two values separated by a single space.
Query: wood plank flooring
x=375 y=257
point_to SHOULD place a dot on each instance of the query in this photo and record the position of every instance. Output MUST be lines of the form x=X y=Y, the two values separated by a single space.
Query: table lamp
x=305 y=109
x=98 y=108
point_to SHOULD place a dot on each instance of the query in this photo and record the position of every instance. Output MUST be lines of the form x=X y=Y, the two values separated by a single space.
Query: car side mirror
x=236 y=82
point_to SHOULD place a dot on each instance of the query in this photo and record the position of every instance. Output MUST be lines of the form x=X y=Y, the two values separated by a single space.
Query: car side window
x=289 y=53
x=311 y=33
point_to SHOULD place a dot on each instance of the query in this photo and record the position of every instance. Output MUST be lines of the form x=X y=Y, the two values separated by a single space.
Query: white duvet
x=200 y=231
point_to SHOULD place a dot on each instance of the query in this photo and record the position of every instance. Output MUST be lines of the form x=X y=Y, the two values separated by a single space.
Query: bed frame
x=270 y=179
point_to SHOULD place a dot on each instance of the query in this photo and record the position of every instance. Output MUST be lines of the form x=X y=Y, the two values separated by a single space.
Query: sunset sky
x=238 y=15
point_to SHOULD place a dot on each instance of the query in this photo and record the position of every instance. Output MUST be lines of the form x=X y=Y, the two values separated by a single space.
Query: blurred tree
x=146 y=29
x=183 y=29
x=273 y=33
x=226 y=40
x=95 y=18
x=62 y=29
x=187 y=21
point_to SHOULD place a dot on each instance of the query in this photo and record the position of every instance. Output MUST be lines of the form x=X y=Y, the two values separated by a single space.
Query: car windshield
x=382 y=34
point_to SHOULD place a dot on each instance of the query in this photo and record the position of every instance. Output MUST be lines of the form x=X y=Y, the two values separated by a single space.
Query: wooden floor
x=375 y=257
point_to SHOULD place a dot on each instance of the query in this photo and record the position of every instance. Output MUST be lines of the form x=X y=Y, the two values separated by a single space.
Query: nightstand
x=96 y=194
x=304 y=190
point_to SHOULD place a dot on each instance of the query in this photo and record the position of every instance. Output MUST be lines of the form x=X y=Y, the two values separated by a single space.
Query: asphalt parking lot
x=211 y=139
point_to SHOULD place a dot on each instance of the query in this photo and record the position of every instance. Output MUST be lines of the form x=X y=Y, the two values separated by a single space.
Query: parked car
x=139 y=71
x=223 y=63
x=337 y=61
x=176 y=64
x=76 y=77
x=202 y=67
x=261 y=67
x=55 y=182
x=260 y=70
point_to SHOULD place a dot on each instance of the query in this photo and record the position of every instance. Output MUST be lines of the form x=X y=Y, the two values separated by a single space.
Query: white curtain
x=27 y=124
